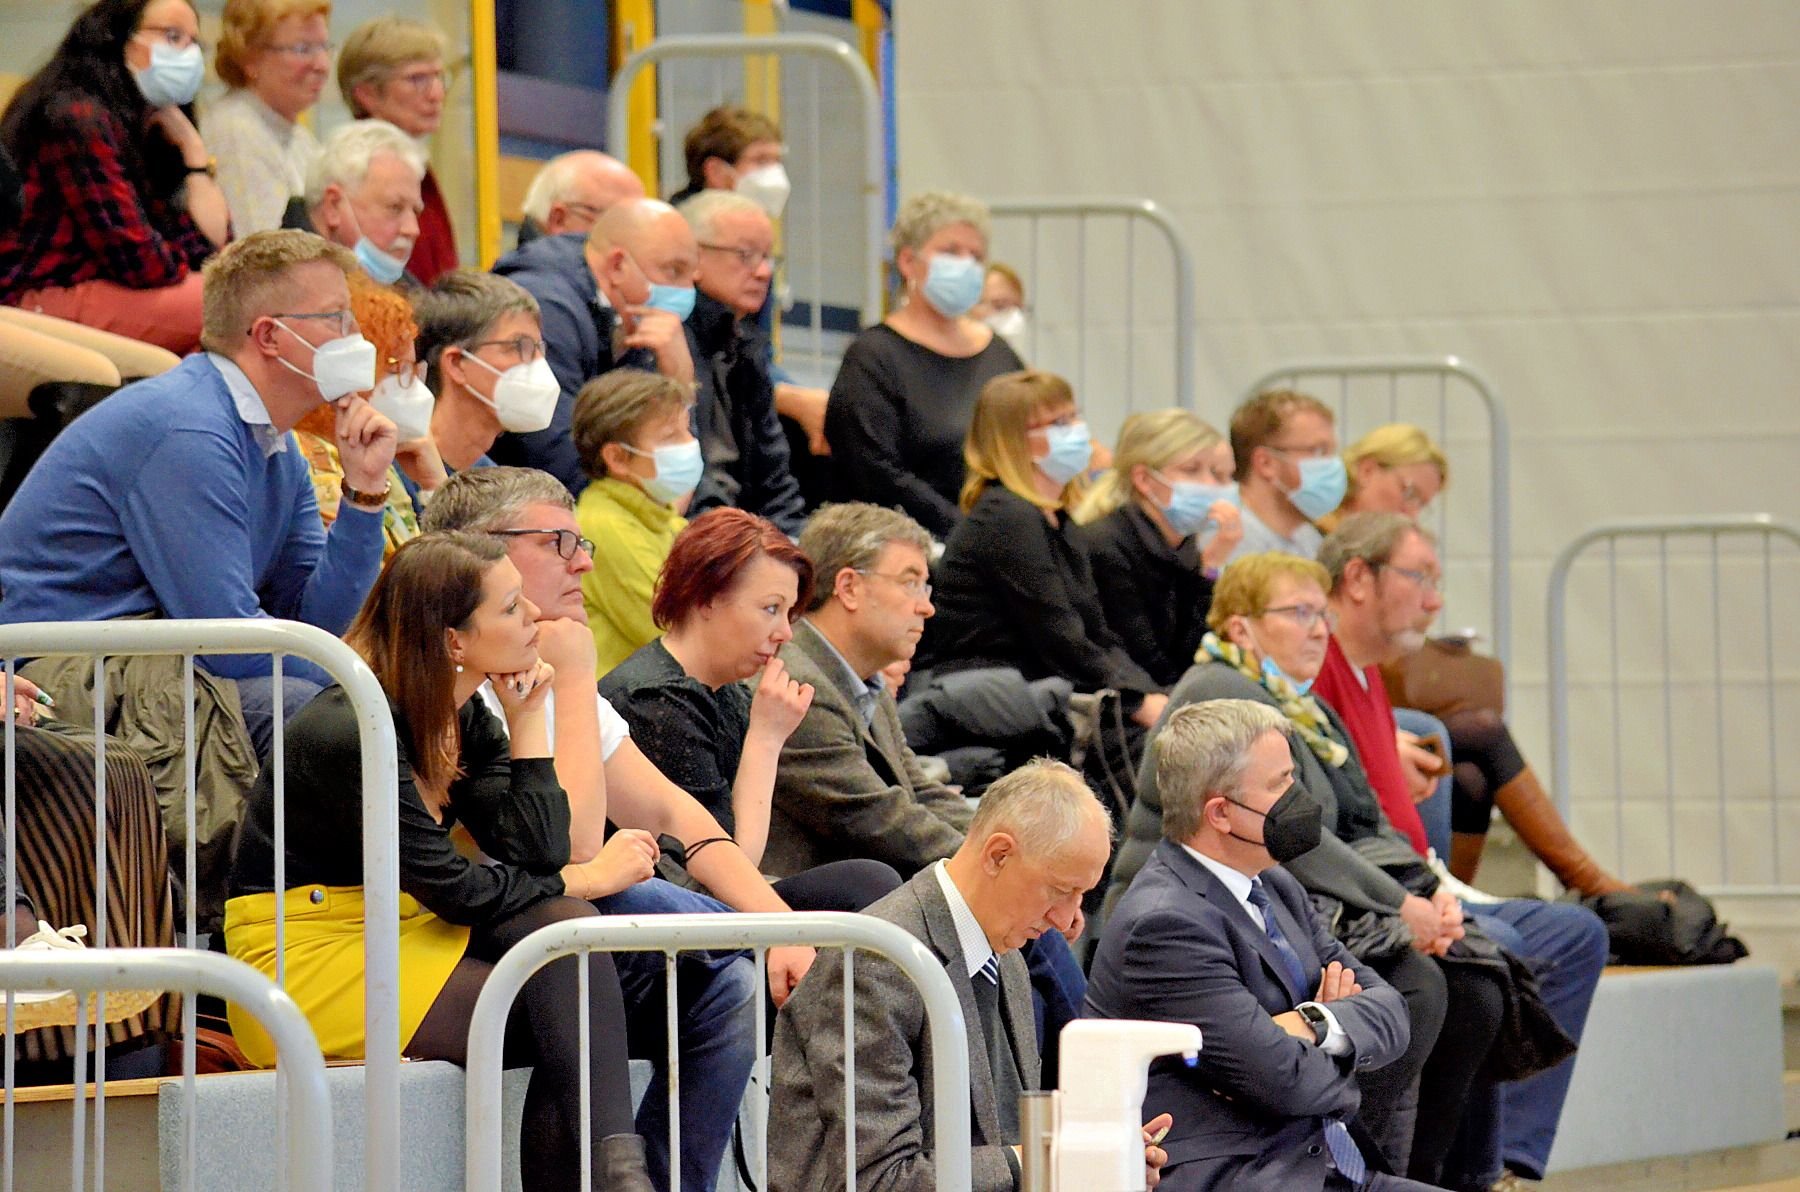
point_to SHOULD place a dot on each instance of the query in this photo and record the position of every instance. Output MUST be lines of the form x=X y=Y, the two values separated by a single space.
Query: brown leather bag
x=1446 y=676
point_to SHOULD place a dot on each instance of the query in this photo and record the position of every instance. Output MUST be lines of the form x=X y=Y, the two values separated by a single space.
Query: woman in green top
x=631 y=428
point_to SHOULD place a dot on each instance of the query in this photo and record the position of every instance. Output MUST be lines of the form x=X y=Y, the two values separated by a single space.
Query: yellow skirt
x=324 y=964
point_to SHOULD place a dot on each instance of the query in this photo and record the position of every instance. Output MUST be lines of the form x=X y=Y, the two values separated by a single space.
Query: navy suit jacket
x=1251 y=1114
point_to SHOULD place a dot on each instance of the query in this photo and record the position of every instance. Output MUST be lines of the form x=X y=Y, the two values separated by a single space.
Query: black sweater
x=1153 y=594
x=690 y=732
x=514 y=808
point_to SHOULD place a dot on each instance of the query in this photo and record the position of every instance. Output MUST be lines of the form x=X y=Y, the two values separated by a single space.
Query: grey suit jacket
x=844 y=790
x=1250 y=1116
x=894 y=1097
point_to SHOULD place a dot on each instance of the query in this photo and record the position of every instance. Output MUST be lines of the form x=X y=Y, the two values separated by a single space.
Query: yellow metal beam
x=634 y=27
x=485 y=74
x=762 y=72
x=869 y=21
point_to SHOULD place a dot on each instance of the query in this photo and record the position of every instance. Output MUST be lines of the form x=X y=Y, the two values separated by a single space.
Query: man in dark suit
x=1039 y=841
x=1214 y=932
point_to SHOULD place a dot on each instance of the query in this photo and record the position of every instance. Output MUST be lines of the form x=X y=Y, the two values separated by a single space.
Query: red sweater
x=1370 y=719
x=434 y=252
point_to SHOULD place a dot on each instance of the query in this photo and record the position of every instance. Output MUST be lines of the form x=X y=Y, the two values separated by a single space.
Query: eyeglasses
x=303 y=49
x=1305 y=616
x=912 y=585
x=1302 y=452
x=1424 y=579
x=567 y=541
x=525 y=347
x=180 y=39
x=749 y=258
x=423 y=80
x=345 y=320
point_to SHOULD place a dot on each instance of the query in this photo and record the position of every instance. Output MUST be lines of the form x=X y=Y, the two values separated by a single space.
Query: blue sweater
x=160 y=500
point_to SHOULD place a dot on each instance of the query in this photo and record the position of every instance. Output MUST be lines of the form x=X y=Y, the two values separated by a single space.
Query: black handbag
x=1664 y=923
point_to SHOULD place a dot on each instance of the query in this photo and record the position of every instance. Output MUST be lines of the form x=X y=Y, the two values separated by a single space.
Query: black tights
x=542 y=1032
x=838 y=885
x=1471 y=1024
x=1486 y=760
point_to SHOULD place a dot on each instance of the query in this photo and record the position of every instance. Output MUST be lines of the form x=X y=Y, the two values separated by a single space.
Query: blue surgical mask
x=677 y=300
x=1323 y=482
x=383 y=267
x=1068 y=454
x=678 y=470
x=173 y=76
x=1190 y=503
x=1271 y=671
x=953 y=284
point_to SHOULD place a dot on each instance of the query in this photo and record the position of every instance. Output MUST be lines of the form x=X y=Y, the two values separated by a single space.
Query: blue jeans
x=257 y=698
x=717 y=1025
x=1435 y=809
x=1515 y=1124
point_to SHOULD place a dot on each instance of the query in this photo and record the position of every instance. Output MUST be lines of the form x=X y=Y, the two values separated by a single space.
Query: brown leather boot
x=1465 y=855
x=1534 y=817
x=622 y=1164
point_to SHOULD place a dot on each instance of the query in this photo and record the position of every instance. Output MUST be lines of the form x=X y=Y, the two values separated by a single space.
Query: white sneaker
x=48 y=939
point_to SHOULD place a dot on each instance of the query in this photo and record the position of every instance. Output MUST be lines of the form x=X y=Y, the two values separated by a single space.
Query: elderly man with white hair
x=363 y=192
x=572 y=190
x=747 y=453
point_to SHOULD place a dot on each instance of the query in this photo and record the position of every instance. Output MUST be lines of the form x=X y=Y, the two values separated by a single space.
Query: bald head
x=637 y=243
x=572 y=190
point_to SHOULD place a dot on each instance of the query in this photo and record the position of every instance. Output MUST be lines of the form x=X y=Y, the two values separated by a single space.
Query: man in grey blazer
x=1214 y=932
x=1039 y=841
x=848 y=785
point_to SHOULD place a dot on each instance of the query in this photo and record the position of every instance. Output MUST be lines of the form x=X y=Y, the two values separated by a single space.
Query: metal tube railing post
x=188 y=973
x=816 y=45
x=381 y=858
x=655 y=933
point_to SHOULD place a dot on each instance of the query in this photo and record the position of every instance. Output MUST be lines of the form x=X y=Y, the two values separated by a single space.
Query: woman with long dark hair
x=446 y=614
x=118 y=206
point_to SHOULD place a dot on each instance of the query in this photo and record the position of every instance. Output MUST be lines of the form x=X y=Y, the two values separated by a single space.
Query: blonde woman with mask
x=1157 y=528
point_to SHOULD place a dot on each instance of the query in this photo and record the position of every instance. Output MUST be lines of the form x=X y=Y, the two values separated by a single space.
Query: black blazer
x=1250 y=1116
x=1153 y=594
x=1013 y=590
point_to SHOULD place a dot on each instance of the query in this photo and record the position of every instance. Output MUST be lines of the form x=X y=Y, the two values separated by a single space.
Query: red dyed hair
x=711 y=553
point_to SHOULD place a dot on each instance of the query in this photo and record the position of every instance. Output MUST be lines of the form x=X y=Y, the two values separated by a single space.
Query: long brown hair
x=430 y=585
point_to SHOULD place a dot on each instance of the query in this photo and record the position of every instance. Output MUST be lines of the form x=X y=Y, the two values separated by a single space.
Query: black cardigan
x=513 y=807
x=1153 y=594
x=1012 y=590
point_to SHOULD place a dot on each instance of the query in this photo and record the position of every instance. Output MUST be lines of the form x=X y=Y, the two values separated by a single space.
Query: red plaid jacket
x=85 y=216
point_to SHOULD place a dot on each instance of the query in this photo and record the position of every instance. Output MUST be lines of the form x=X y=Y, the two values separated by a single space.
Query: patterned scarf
x=1303 y=711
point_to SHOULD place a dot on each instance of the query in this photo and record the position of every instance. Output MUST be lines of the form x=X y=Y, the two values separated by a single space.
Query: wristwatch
x=1314 y=1015
x=369 y=501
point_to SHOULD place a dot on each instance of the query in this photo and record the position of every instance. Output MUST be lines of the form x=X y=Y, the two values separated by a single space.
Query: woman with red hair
x=726 y=601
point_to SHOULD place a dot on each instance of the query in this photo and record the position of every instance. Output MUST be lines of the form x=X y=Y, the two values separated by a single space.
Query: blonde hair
x=1248 y=584
x=1007 y=274
x=997 y=452
x=923 y=215
x=377 y=48
x=1156 y=440
x=245 y=25
x=247 y=279
x=1395 y=445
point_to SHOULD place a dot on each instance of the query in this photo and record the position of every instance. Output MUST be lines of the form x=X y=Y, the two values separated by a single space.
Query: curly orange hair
x=386 y=319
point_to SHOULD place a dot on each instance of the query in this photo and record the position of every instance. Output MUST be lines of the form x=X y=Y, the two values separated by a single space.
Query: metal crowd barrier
x=304 y=1128
x=804 y=126
x=1433 y=392
x=1066 y=270
x=381 y=868
x=1683 y=668
x=670 y=934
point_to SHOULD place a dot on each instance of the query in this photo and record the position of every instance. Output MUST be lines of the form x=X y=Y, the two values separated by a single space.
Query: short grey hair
x=1372 y=537
x=460 y=308
x=481 y=500
x=853 y=534
x=344 y=158
x=1202 y=750
x=705 y=209
x=548 y=186
x=1042 y=805
x=923 y=215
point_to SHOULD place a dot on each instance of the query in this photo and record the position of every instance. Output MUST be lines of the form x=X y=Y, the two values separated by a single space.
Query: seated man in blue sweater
x=181 y=496
x=616 y=298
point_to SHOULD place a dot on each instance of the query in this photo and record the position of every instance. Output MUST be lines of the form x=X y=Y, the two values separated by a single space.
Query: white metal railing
x=305 y=1126
x=101 y=640
x=670 y=934
x=820 y=49
x=1395 y=395
x=1679 y=649
x=1084 y=214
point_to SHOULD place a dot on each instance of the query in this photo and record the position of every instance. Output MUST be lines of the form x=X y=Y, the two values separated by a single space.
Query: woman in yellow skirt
x=446 y=614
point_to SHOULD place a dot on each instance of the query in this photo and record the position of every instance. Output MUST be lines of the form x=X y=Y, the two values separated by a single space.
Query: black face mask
x=1291 y=828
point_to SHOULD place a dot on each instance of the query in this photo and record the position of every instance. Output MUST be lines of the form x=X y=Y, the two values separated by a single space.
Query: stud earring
x=459 y=668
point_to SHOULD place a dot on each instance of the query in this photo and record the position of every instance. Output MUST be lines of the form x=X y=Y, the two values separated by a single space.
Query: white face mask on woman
x=524 y=396
x=405 y=400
